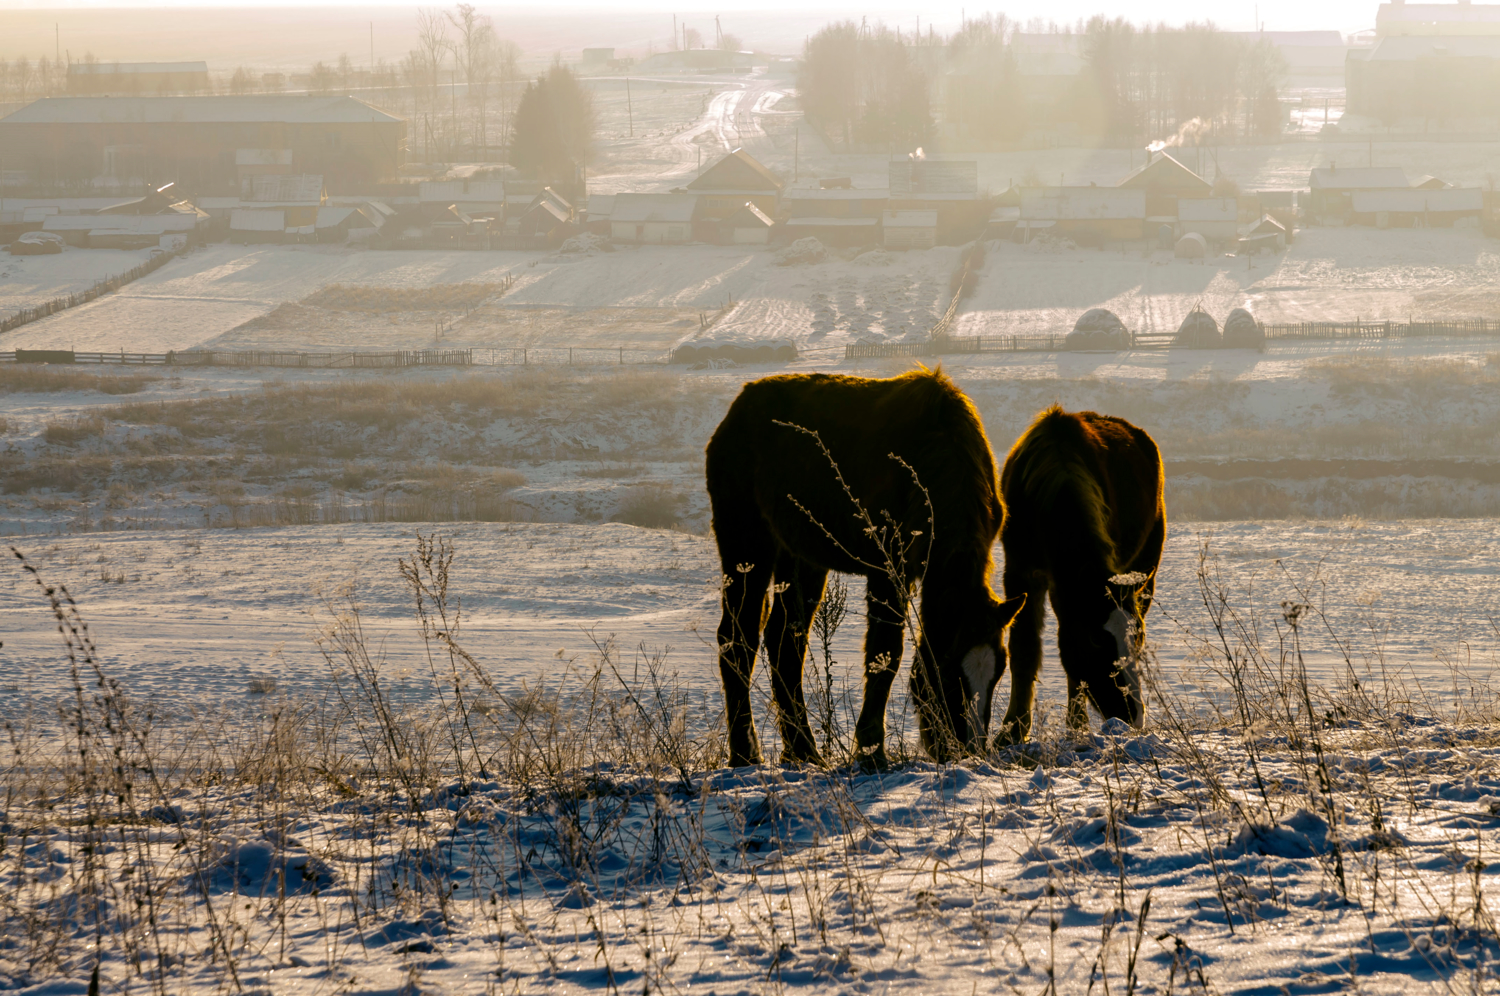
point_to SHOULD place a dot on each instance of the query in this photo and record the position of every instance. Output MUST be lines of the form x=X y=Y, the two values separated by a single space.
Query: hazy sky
x=1344 y=15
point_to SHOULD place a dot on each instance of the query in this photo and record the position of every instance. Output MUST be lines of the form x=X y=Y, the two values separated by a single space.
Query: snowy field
x=540 y=811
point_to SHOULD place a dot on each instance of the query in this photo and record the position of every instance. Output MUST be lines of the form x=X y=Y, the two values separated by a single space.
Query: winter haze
x=380 y=619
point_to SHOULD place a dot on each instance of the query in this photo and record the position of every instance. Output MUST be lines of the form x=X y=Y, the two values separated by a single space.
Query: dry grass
x=34 y=378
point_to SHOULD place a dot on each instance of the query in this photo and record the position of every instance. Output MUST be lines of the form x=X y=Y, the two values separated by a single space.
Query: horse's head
x=1111 y=655
x=969 y=660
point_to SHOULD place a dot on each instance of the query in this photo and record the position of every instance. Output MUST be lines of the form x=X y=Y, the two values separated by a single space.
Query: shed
x=257 y=225
x=1088 y=215
x=1410 y=208
x=832 y=231
x=79 y=229
x=1217 y=219
x=1269 y=226
x=948 y=186
x=747 y=226
x=1330 y=200
x=653 y=219
x=596 y=216
x=339 y=224
x=909 y=229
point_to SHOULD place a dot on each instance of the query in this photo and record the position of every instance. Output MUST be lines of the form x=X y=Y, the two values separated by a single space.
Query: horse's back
x=791 y=444
x=1082 y=468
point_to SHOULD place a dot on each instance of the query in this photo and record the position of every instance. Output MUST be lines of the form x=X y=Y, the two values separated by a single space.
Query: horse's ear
x=1002 y=614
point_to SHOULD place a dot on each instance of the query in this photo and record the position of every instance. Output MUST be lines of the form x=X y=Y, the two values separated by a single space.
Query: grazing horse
x=1083 y=497
x=890 y=479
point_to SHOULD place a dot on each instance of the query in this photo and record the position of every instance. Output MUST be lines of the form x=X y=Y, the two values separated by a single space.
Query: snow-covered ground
x=296 y=824
x=27 y=281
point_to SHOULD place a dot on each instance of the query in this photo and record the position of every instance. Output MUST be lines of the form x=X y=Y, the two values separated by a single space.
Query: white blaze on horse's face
x=979 y=672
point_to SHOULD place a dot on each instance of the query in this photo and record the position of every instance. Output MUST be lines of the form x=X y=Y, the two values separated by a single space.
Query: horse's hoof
x=802 y=759
x=873 y=761
x=1010 y=736
x=743 y=760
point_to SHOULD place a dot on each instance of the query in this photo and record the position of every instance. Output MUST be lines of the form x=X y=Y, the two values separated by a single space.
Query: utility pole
x=372 y=49
x=796 y=152
x=629 y=114
x=453 y=100
x=674 y=31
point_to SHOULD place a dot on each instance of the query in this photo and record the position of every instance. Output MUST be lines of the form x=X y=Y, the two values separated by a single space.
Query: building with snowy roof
x=1092 y=216
x=725 y=186
x=653 y=219
x=196 y=141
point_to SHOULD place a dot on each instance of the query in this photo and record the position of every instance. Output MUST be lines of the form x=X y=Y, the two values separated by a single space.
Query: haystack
x=1191 y=246
x=1198 y=331
x=1098 y=328
x=1242 y=332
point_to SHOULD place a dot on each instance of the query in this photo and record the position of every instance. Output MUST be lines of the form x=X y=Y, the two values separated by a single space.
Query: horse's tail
x=1054 y=475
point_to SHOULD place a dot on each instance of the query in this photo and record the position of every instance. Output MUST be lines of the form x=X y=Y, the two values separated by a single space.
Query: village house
x=1164 y=181
x=723 y=188
x=948 y=188
x=653 y=219
x=1416 y=208
x=194 y=141
x=1217 y=219
x=840 y=215
x=473 y=197
x=1331 y=194
x=1090 y=216
x=747 y=226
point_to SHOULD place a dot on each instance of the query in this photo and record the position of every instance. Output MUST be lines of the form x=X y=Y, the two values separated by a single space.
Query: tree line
x=876 y=88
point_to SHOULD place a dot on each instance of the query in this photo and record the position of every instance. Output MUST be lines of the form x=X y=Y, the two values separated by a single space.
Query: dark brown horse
x=893 y=480
x=1083 y=496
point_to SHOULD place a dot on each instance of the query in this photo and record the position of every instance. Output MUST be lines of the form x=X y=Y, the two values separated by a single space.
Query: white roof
x=198 y=110
x=1417 y=201
x=217 y=203
x=637 y=208
x=1083 y=203
x=600 y=205
x=158 y=223
x=1208 y=208
x=464 y=191
x=110 y=68
x=925 y=178
x=1359 y=177
x=1435 y=13
x=263 y=220
x=909 y=219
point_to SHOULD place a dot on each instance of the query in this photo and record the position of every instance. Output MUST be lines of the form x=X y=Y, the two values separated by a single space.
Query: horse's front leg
x=798 y=588
x=884 y=640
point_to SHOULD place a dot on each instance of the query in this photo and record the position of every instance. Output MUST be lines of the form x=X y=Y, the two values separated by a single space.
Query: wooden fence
x=521 y=356
x=99 y=289
x=969 y=344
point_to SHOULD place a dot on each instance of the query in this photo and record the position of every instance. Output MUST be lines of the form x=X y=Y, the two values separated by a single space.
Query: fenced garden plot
x=105 y=286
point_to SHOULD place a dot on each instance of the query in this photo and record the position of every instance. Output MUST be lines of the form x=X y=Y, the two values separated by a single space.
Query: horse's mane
x=1057 y=462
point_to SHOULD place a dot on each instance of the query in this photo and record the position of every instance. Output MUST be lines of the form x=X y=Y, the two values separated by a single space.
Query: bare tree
x=241 y=82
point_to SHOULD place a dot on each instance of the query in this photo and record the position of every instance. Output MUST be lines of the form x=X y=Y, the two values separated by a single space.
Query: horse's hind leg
x=1025 y=659
x=746 y=551
x=798 y=588
x=886 y=606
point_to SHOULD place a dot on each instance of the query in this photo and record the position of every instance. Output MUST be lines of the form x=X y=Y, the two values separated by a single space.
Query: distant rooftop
x=261 y=108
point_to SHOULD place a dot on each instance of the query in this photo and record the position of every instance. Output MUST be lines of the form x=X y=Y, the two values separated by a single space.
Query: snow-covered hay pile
x=1241 y=331
x=1198 y=331
x=1270 y=833
x=808 y=250
x=1098 y=328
